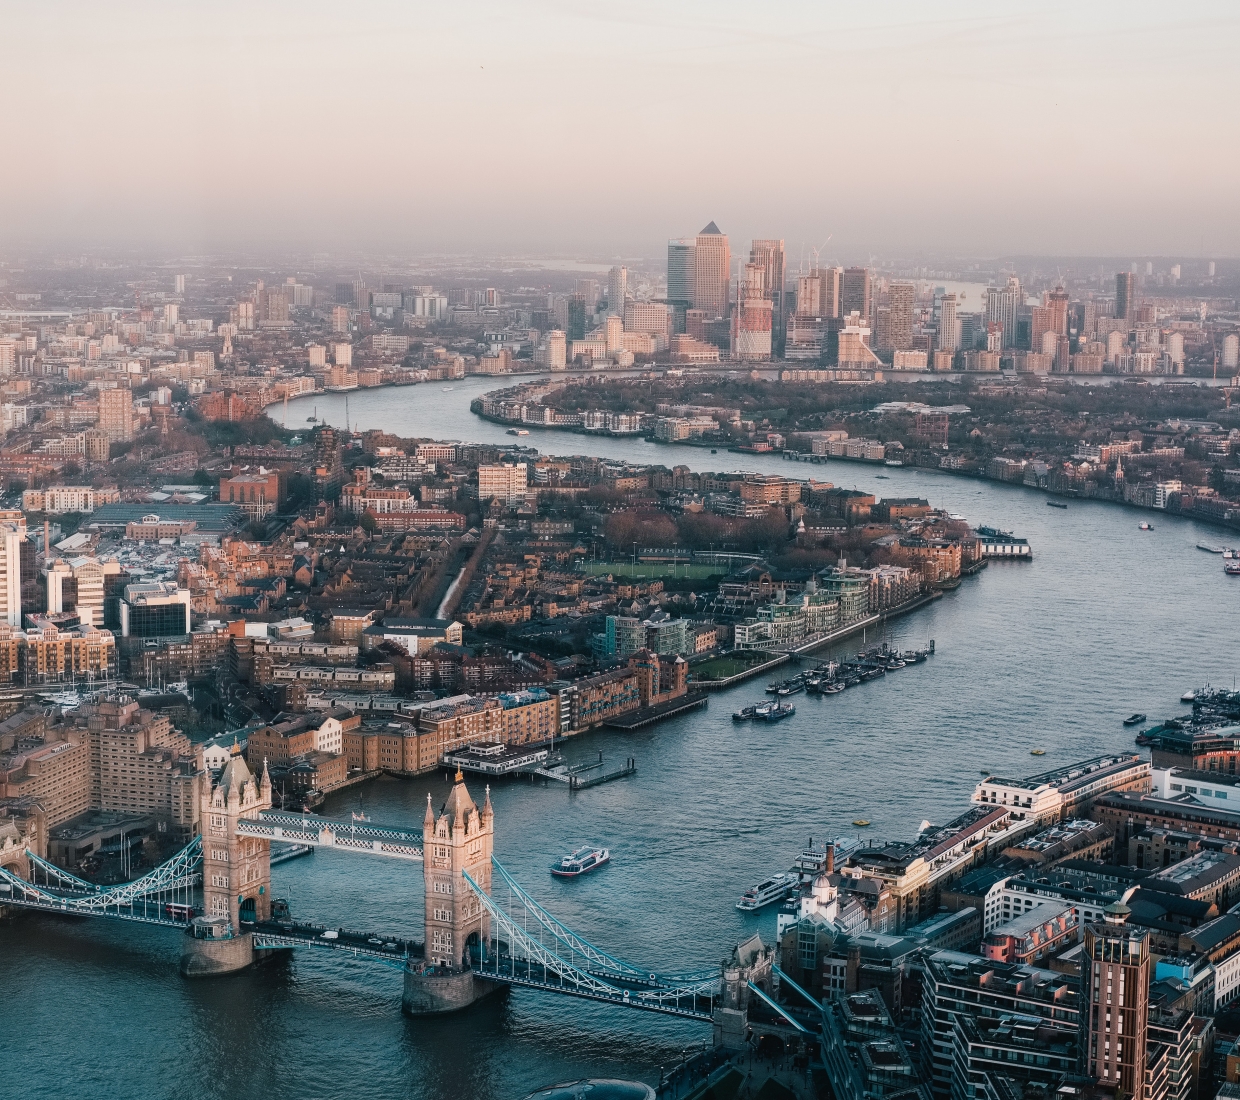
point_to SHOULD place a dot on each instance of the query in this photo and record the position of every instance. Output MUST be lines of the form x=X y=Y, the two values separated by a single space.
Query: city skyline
x=231 y=129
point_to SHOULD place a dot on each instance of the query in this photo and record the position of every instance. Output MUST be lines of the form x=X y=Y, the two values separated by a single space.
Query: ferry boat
x=1232 y=567
x=766 y=892
x=1134 y=719
x=580 y=862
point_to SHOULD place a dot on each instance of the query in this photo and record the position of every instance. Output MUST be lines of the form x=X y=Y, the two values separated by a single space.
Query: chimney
x=830 y=859
x=853 y=968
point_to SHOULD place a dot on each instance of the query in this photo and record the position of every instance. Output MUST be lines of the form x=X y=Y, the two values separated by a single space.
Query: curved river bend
x=1051 y=654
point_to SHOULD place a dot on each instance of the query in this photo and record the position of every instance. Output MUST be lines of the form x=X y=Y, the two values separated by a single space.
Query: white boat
x=767 y=891
x=580 y=862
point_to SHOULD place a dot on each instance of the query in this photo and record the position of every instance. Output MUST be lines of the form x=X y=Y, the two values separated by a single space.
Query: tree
x=368 y=523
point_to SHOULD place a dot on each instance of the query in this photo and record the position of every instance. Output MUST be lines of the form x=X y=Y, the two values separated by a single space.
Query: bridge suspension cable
x=608 y=964
x=164 y=895
x=513 y=956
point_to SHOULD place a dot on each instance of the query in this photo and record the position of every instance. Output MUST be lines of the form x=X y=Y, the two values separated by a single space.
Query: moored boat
x=767 y=891
x=1134 y=719
x=584 y=860
x=776 y=712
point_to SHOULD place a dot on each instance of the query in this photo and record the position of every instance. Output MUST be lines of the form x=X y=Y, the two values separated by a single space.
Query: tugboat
x=766 y=892
x=581 y=862
x=1134 y=719
x=776 y=712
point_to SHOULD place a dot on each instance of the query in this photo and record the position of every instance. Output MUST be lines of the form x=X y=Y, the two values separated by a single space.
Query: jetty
x=647 y=716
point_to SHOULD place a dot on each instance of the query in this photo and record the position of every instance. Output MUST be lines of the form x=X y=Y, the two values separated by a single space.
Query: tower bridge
x=480 y=933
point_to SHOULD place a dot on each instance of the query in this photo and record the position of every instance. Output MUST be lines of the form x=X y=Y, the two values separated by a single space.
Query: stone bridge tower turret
x=459 y=840
x=236 y=870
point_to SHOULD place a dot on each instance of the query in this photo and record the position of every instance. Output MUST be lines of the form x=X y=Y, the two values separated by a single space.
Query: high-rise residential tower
x=1057 y=301
x=856 y=293
x=1125 y=295
x=769 y=255
x=116 y=414
x=751 y=318
x=900 y=301
x=617 y=290
x=1002 y=307
x=949 y=324
x=1115 y=980
x=12 y=535
x=712 y=268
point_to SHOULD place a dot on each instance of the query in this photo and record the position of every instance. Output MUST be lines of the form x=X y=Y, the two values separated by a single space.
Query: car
x=389 y=947
x=374 y=941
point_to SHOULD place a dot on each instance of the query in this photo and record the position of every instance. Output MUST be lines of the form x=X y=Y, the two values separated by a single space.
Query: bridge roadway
x=363 y=837
x=389 y=950
x=631 y=993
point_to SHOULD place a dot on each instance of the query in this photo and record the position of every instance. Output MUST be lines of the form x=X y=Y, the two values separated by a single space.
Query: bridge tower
x=459 y=839
x=236 y=873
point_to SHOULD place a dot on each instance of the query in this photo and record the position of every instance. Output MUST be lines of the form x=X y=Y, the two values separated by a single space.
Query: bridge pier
x=430 y=990
x=210 y=951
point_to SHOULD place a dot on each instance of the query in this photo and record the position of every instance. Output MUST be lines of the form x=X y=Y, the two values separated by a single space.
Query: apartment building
x=67 y=498
x=1065 y=792
x=505 y=482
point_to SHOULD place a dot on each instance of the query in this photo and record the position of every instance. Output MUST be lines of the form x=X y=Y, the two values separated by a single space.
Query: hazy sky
x=602 y=129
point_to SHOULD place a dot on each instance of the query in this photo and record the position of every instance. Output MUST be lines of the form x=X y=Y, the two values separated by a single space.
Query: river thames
x=1050 y=654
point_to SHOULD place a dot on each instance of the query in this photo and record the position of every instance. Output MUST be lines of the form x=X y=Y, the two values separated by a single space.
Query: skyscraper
x=769 y=255
x=1002 y=306
x=589 y=290
x=949 y=326
x=900 y=300
x=1125 y=295
x=712 y=269
x=12 y=535
x=856 y=293
x=575 y=327
x=680 y=287
x=751 y=319
x=1057 y=301
x=617 y=290
x=1115 y=980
